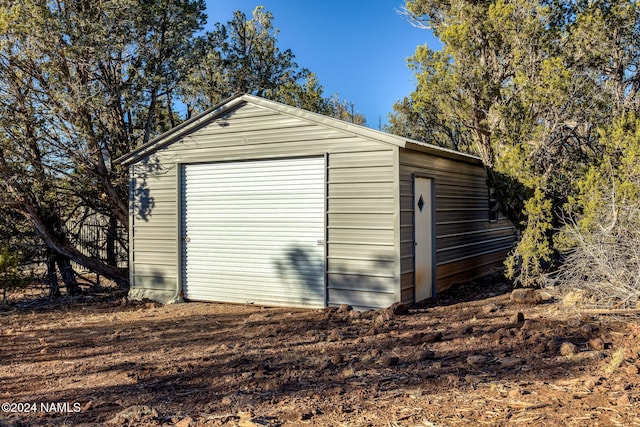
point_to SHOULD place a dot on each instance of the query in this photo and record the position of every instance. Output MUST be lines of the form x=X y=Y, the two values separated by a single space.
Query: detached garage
x=258 y=202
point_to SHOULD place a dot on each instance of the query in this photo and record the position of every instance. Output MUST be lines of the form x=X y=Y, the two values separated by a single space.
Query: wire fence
x=102 y=240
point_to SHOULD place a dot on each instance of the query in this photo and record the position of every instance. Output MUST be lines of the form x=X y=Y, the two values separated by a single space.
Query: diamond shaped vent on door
x=420 y=203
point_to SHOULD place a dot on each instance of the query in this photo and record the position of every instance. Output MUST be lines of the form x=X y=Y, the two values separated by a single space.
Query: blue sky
x=358 y=49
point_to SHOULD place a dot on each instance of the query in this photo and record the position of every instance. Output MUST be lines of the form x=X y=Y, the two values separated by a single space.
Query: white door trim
x=424 y=244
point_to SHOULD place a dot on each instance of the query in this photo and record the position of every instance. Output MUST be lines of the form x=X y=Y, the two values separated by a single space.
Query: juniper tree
x=525 y=85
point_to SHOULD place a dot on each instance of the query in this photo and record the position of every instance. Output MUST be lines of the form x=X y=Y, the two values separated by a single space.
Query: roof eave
x=442 y=152
x=232 y=102
x=182 y=129
x=367 y=132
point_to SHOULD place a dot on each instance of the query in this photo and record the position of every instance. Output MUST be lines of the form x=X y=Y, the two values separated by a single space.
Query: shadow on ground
x=215 y=362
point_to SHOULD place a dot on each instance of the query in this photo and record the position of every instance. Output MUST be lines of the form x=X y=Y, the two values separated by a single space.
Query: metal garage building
x=258 y=202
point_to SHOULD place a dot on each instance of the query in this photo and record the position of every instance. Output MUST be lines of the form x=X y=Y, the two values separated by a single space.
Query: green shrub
x=530 y=259
x=11 y=276
x=601 y=237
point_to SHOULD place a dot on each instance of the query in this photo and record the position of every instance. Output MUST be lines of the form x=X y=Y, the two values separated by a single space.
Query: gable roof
x=228 y=104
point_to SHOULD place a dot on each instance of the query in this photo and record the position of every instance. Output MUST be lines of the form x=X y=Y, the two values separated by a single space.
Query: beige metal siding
x=362 y=251
x=466 y=242
x=363 y=265
x=153 y=238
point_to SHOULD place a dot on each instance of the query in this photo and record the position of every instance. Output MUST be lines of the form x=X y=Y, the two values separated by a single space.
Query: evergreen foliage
x=12 y=276
x=602 y=236
x=84 y=82
x=242 y=56
x=525 y=85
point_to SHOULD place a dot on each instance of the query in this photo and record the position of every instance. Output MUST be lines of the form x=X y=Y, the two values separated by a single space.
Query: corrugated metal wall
x=467 y=243
x=363 y=268
x=362 y=225
x=253 y=231
x=153 y=240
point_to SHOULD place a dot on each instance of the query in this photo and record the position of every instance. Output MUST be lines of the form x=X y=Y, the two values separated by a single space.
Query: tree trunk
x=67 y=274
x=150 y=116
x=172 y=120
x=52 y=276
x=112 y=237
x=64 y=249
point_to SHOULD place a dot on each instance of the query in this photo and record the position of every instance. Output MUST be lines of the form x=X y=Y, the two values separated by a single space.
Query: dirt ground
x=477 y=356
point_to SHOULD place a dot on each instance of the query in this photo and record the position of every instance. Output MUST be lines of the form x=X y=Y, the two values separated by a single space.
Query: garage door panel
x=233 y=261
x=254 y=232
x=231 y=247
x=234 y=296
x=210 y=238
x=259 y=224
x=237 y=284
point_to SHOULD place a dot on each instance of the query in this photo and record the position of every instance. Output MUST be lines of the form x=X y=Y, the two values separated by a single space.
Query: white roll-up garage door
x=253 y=232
